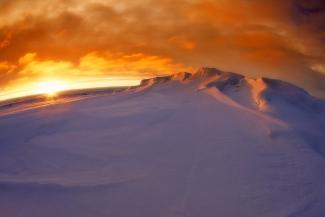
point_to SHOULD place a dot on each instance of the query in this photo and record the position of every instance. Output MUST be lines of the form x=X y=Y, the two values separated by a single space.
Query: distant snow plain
x=204 y=145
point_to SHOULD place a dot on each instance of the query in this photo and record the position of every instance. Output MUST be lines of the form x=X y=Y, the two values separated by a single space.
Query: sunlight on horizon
x=51 y=87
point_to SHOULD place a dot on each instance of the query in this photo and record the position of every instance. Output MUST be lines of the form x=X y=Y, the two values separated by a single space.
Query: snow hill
x=207 y=144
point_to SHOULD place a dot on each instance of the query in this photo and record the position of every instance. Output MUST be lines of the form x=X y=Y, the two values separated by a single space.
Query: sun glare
x=51 y=88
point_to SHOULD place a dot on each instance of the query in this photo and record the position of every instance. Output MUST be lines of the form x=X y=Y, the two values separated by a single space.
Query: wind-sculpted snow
x=209 y=144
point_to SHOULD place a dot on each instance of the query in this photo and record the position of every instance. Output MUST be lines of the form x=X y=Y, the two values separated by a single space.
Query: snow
x=210 y=144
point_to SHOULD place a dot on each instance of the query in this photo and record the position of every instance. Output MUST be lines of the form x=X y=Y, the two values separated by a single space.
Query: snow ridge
x=263 y=94
x=210 y=143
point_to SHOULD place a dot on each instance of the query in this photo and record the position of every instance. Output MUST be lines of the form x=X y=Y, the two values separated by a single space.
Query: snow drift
x=209 y=144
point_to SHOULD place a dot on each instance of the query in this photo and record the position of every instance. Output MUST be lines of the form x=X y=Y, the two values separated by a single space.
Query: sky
x=92 y=43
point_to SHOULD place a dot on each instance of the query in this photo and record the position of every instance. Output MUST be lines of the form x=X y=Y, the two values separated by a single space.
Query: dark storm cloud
x=310 y=6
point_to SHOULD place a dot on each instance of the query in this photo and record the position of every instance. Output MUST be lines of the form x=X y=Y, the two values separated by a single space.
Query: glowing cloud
x=137 y=39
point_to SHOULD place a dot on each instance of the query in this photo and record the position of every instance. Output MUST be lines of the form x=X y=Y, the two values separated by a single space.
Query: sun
x=51 y=87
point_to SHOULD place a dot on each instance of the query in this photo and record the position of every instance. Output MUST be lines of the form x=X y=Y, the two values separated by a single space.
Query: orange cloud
x=182 y=42
x=271 y=56
x=152 y=37
x=91 y=70
x=5 y=42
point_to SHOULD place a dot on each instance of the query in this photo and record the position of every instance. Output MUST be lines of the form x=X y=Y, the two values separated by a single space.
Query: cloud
x=92 y=69
x=283 y=39
x=319 y=67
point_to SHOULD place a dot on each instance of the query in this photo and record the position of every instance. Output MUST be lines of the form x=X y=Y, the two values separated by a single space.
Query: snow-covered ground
x=212 y=144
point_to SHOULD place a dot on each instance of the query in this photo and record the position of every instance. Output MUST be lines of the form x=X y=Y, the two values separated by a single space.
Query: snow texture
x=204 y=145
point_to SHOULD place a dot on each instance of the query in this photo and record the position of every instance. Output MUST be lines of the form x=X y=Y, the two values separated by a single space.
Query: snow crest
x=263 y=94
x=208 y=144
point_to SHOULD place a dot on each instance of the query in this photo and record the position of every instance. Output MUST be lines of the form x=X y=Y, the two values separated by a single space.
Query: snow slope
x=209 y=144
